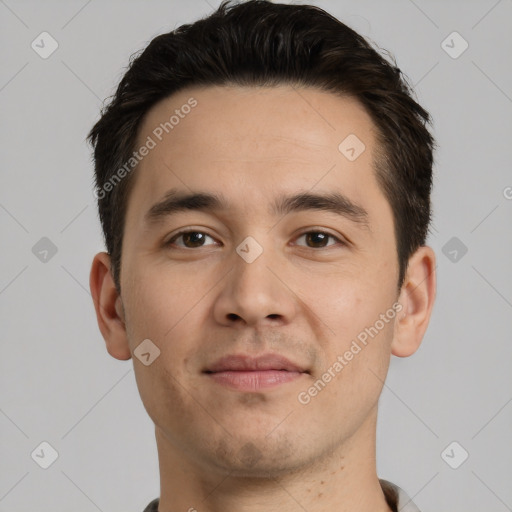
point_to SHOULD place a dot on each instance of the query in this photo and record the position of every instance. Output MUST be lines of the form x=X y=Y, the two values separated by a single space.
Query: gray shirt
x=397 y=499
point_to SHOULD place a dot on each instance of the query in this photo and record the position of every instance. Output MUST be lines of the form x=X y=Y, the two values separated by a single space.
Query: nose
x=256 y=293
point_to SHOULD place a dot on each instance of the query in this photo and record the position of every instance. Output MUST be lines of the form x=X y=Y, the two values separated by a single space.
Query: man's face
x=322 y=277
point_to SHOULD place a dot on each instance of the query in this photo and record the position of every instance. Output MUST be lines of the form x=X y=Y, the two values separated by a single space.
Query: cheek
x=159 y=308
x=158 y=301
x=343 y=301
x=358 y=319
x=356 y=364
x=162 y=394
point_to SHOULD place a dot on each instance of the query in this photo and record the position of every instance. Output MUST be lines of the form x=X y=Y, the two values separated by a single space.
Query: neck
x=344 y=480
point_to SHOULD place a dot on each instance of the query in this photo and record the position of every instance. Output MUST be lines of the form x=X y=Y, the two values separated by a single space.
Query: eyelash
x=184 y=232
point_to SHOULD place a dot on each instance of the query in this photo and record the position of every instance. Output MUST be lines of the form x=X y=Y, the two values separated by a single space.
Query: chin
x=253 y=459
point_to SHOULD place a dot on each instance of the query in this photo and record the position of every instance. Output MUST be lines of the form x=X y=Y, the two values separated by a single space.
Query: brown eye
x=318 y=239
x=191 y=239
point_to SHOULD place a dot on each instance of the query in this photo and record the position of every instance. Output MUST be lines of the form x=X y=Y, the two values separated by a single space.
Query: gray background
x=58 y=383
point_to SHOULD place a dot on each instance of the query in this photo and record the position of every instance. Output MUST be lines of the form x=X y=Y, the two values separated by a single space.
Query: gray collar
x=398 y=497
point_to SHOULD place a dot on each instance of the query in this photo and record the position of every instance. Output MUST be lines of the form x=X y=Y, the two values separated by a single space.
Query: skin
x=228 y=450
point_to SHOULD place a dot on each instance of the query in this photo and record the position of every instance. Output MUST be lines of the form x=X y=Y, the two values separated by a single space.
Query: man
x=263 y=180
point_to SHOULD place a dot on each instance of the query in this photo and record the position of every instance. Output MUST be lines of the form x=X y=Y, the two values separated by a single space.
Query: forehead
x=278 y=117
x=250 y=141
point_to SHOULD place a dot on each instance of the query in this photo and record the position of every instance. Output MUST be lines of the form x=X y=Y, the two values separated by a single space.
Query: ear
x=109 y=307
x=417 y=298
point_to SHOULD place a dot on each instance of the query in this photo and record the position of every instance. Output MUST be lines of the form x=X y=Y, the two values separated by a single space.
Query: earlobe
x=417 y=298
x=109 y=308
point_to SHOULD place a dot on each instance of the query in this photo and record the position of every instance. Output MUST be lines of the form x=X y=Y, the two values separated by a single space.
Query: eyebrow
x=335 y=202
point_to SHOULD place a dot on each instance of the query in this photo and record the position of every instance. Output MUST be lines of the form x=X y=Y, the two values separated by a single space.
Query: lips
x=241 y=363
x=246 y=373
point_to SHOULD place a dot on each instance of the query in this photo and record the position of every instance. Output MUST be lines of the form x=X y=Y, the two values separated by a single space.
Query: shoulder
x=153 y=506
x=397 y=498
